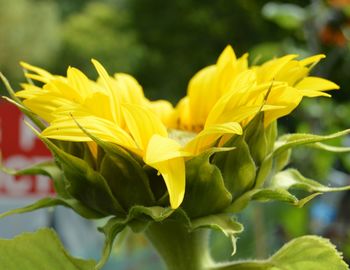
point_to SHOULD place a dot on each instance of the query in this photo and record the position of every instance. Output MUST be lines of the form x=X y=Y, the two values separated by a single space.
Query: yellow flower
x=230 y=93
x=112 y=109
x=221 y=100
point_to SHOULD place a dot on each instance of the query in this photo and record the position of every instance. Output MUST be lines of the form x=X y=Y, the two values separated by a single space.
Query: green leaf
x=309 y=252
x=237 y=167
x=303 y=253
x=204 y=187
x=221 y=222
x=40 y=250
x=292 y=178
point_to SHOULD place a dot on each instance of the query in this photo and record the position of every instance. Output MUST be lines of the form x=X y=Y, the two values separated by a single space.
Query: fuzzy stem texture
x=179 y=248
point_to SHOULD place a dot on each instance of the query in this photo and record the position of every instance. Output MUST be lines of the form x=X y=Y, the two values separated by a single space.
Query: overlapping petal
x=221 y=101
x=210 y=135
x=166 y=156
x=68 y=129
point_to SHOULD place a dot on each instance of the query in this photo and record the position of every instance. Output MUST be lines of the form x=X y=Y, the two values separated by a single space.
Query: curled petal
x=165 y=155
x=67 y=129
x=210 y=135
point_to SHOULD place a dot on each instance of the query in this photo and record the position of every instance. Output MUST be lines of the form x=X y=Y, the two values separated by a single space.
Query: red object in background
x=20 y=149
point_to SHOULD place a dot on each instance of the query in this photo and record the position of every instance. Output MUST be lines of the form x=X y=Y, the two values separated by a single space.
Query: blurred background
x=162 y=44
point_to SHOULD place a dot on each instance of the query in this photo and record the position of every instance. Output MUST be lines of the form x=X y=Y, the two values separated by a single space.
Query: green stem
x=260 y=232
x=179 y=248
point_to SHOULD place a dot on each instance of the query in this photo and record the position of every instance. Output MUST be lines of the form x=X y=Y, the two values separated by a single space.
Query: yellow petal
x=182 y=111
x=313 y=86
x=131 y=90
x=28 y=91
x=287 y=97
x=228 y=55
x=202 y=94
x=78 y=81
x=165 y=111
x=142 y=124
x=45 y=105
x=208 y=136
x=67 y=129
x=64 y=90
x=268 y=71
x=235 y=105
x=165 y=155
x=42 y=75
x=108 y=84
x=312 y=60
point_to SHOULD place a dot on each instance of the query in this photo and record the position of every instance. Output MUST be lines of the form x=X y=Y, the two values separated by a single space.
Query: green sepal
x=144 y=216
x=279 y=188
x=303 y=253
x=330 y=148
x=73 y=204
x=224 y=223
x=205 y=187
x=124 y=173
x=291 y=178
x=63 y=198
x=19 y=104
x=288 y=141
x=125 y=182
x=40 y=250
x=281 y=160
x=237 y=167
x=260 y=139
x=267 y=195
x=139 y=214
x=279 y=157
x=84 y=183
x=47 y=168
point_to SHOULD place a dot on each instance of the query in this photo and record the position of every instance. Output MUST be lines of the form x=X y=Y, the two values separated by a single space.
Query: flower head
x=222 y=100
x=113 y=109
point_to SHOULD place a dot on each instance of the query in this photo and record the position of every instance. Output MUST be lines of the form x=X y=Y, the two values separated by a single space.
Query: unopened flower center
x=181 y=136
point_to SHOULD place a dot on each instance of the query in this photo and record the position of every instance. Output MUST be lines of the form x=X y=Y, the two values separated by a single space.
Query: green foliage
x=287 y=16
x=183 y=36
x=100 y=31
x=28 y=34
x=303 y=253
x=41 y=250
